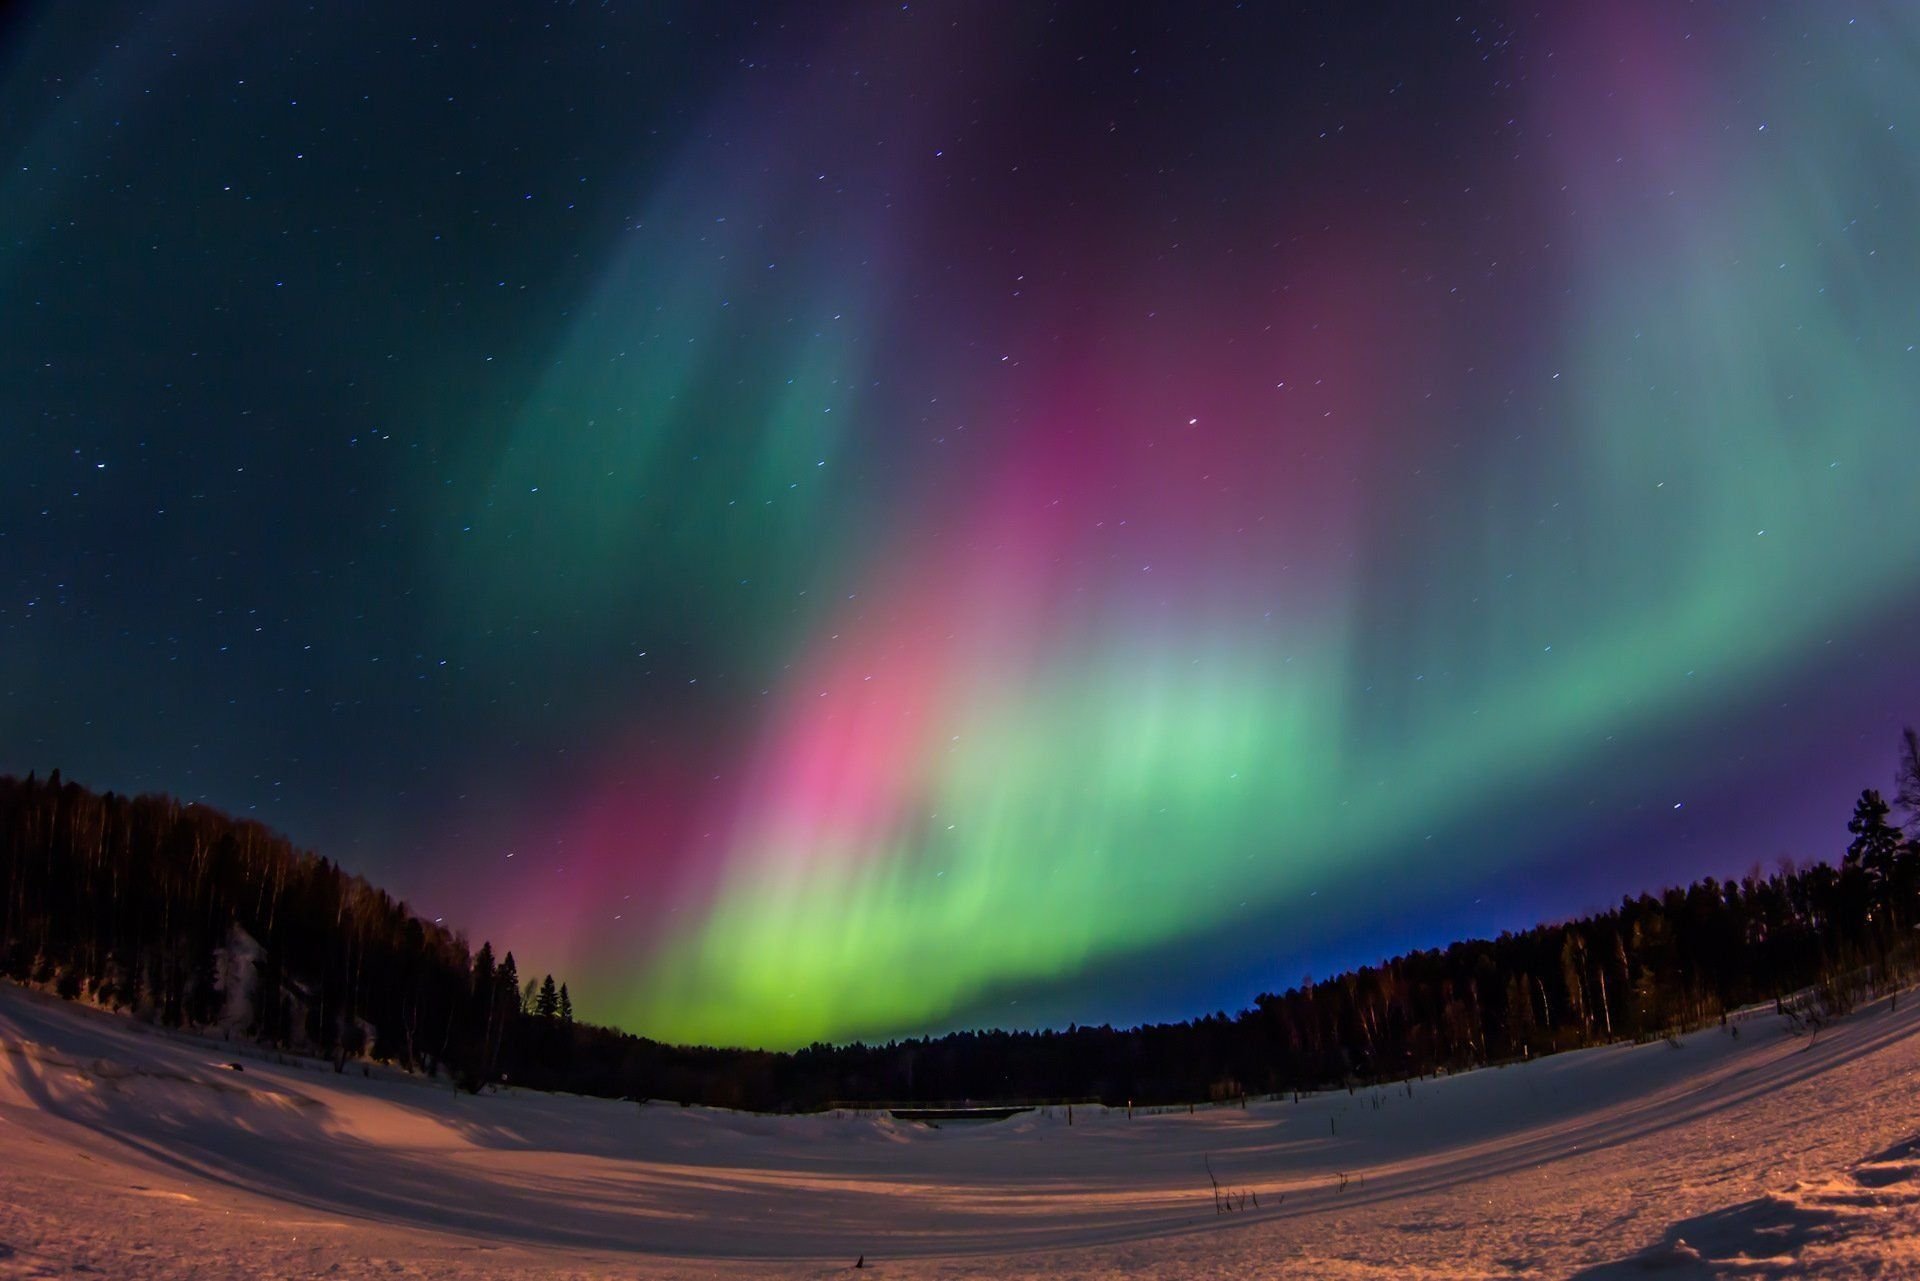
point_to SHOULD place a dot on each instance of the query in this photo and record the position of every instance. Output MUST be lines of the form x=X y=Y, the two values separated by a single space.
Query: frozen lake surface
x=127 y=1152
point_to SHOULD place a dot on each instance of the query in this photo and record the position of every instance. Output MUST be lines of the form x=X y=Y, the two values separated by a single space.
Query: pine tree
x=1875 y=841
x=1908 y=776
x=128 y=898
x=507 y=1003
x=483 y=982
x=548 y=1004
x=483 y=974
x=509 y=982
x=486 y=1005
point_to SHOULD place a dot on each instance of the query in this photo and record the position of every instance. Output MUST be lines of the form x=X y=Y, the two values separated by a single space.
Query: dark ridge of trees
x=190 y=918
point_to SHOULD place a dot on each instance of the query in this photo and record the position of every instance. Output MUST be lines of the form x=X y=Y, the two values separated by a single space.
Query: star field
x=830 y=520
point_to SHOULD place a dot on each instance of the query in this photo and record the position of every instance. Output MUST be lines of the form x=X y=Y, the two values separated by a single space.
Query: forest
x=192 y=919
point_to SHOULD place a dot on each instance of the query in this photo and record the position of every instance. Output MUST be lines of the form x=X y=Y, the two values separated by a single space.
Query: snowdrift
x=137 y=1153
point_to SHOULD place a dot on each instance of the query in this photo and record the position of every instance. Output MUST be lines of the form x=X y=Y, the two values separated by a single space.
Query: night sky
x=820 y=520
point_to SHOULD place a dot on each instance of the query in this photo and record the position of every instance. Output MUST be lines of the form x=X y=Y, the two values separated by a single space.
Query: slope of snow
x=131 y=1153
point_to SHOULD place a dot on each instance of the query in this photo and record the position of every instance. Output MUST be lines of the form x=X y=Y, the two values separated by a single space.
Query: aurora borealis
x=830 y=520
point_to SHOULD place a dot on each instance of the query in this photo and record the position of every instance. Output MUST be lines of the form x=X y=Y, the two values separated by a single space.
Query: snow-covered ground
x=128 y=1153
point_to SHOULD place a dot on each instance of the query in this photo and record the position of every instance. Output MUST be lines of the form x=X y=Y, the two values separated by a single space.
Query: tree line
x=191 y=918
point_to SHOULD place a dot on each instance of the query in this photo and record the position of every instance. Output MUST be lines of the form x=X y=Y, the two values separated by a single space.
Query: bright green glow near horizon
x=829 y=527
x=1691 y=506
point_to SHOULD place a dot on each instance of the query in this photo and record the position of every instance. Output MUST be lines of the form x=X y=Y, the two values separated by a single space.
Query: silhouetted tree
x=1908 y=779
x=1875 y=848
x=129 y=901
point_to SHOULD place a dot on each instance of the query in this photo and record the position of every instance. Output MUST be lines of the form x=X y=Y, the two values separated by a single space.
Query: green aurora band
x=947 y=535
x=1045 y=760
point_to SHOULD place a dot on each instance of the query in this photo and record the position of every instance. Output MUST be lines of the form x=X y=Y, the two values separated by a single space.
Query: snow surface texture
x=126 y=1152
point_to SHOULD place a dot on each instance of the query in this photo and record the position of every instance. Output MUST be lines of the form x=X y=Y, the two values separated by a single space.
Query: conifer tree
x=509 y=983
x=127 y=900
x=1876 y=842
x=1908 y=777
x=483 y=974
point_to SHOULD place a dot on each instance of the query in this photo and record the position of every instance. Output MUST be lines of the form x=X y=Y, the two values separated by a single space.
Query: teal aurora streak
x=963 y=521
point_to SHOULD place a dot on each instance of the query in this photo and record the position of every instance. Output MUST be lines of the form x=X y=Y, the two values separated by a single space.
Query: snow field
x=136 y=1154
